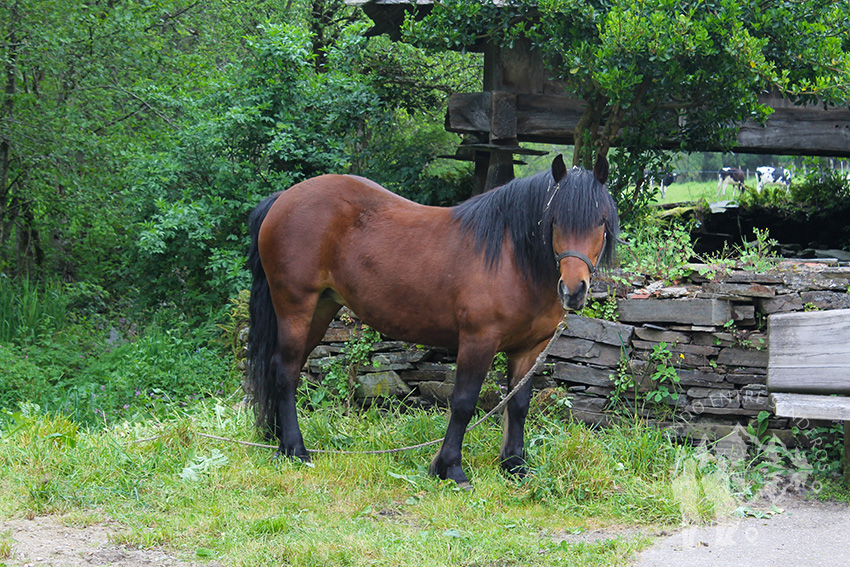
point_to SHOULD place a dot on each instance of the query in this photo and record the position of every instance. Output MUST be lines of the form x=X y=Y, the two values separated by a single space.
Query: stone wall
x=715 y=330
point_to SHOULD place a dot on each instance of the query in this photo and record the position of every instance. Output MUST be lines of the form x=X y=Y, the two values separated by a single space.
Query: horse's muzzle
x=572 y=299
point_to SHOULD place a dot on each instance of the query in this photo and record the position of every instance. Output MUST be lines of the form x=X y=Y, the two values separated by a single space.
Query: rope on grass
x=499 y=407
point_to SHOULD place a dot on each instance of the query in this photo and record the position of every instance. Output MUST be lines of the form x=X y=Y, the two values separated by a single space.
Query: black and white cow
x=768 y=175
x=666 y=180
x=733 y=175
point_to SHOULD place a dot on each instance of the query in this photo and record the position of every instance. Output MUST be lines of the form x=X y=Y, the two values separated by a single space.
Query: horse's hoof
x=466 y=487
x=447 y=472
x=515 y=466
x=305 y=458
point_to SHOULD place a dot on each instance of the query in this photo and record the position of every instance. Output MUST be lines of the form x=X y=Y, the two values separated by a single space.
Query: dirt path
x=804 y=533
x=46 y=541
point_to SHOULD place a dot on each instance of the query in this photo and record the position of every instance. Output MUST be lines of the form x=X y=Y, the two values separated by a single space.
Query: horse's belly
x=406 y=320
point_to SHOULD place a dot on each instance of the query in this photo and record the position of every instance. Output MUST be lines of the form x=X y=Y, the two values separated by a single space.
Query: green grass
x=29 y=310
x=691 y=191
x=208 y=499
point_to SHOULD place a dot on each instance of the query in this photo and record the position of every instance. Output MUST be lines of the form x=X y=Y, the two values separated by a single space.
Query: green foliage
x=663 y=376
x=774 y=196
x=822 y=189
x=104 y=382
x=823 y=449
x=67 y=357
x=759 y=430
x=29 y=311
x=605 y=309
x=757 y=256
x=655 y=386
x=658 y=251
x=339 y=373
x=87 y=91
x=277 y=122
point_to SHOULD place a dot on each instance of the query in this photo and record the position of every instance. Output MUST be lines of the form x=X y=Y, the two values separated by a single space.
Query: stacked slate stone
x=714 y=326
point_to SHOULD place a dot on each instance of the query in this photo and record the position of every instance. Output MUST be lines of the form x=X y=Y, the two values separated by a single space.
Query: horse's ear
x=600 y=169
x=559 y=168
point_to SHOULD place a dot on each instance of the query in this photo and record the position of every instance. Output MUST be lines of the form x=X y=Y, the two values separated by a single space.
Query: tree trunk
x=320 y=18
x=10 y=89
x=587 y=133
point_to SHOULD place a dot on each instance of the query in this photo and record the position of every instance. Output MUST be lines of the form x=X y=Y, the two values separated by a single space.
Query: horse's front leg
x=473 y=361
x=512 y=454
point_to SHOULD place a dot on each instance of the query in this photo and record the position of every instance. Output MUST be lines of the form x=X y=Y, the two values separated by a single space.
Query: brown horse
x=493 y=274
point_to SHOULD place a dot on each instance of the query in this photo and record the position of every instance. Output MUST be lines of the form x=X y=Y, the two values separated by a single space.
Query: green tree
x=661 y=72
x=87 y=86
x=135 y=136
x=278 y=120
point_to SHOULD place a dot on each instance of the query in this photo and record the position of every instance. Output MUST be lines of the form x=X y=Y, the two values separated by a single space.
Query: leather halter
x=582 y=257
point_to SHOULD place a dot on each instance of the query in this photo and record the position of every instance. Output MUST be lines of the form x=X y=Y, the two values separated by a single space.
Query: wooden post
x=500 y=170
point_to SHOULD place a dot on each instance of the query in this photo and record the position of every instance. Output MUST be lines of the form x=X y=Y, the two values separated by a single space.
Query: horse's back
x=355 y=237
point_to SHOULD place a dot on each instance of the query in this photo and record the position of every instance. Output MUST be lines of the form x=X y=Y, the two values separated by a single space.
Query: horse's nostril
x=582 y=290
x=572 y=299
x=563 y=292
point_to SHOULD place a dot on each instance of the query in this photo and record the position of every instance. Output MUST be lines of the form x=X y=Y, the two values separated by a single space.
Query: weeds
x=29 y=312
x=340 y=372
x=605 y=309
x=660 y=252
x=655 y=386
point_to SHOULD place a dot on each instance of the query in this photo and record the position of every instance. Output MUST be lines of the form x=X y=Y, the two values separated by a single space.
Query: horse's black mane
x=527 y=209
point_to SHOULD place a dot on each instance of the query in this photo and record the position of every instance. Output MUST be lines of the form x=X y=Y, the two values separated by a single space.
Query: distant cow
x=666 y=180
x=767 y=175
x=733 y=175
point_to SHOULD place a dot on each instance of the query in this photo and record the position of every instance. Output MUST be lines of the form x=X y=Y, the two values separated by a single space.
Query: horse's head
x=584 y=228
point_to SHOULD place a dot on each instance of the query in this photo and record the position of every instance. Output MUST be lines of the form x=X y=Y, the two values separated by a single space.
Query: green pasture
x=691 y=191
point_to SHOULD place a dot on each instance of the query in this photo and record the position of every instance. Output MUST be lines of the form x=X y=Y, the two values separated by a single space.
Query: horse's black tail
x=262 y=336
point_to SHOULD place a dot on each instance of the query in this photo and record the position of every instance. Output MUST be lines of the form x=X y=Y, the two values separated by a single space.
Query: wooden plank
x=808 y=406
x=469 y=112
x=809 y=352
x=799 y=130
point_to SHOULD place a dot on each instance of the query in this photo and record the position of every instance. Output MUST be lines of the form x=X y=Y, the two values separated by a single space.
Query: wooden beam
x=809 y=352
x=807 y=406
x=552 y=118
x=502 y=116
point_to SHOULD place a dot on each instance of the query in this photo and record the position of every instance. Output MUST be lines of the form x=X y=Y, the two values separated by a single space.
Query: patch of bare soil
x=46 y=541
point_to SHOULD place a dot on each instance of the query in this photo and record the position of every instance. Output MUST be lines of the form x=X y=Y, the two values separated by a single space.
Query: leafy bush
x=81 y=363
x=658 y=250
x=823 y=189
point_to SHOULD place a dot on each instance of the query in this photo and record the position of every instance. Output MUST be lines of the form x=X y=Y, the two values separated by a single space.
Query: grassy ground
x=679 y=192
x=693 y=191
x=207 y=499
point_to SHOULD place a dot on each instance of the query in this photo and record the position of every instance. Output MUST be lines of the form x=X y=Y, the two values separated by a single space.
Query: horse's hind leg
x=298 y=335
